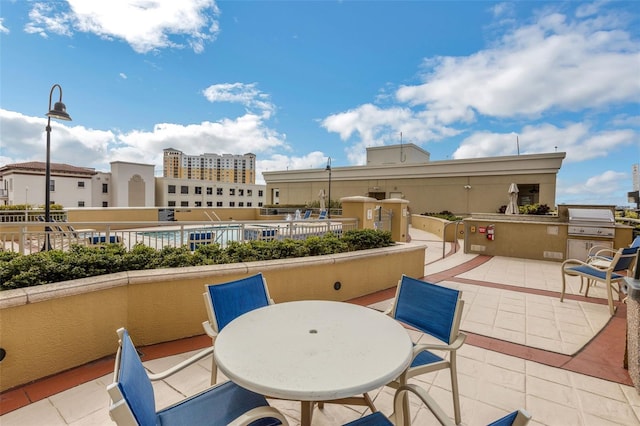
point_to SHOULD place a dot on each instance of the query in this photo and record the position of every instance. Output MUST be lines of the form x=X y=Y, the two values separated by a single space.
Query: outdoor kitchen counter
x=534 y=236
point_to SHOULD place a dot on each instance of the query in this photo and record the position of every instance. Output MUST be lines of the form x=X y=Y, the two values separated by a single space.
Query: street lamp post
x=329 y=203
x=59 y=111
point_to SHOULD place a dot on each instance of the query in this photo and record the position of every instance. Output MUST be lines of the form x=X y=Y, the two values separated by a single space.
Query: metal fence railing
x=30 y=237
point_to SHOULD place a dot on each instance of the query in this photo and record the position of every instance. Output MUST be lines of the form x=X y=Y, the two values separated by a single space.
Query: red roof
x=40 y=166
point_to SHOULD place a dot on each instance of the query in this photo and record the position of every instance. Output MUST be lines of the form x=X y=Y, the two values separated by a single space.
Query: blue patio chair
x=516 y=418
x=434 y=310
x=227 y=301
x=322 y=215
x=607 y=253
x=307 y=214
x=133 y=401
x=608 y=272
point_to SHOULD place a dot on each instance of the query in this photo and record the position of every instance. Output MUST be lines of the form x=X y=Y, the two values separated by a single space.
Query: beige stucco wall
x=526 y=236
x=55 y=327
x=429 y=194
x=522 y=236
x=150 y=214
x=459 y=186
x=444 y=229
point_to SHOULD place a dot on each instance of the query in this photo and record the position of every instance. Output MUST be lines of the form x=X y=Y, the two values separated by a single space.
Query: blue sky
x=296 y=82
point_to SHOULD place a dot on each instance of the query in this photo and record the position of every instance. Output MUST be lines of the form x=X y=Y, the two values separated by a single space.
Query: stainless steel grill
x=592 y=223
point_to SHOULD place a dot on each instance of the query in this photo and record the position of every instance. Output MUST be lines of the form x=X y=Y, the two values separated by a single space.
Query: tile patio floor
x=562 y=362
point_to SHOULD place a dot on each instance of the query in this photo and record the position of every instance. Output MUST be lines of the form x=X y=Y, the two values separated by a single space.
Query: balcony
x=560 y=361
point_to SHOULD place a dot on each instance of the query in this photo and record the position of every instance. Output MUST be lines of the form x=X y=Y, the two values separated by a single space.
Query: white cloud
x=3 y=29
x=22 y=134
x=550 y=64
x=608 y=187
x=245 y=94
x=502 y=9
x=377 y=126
x=578 y=140
x=278 y=162
x=23 y=140
x=540 y=72
x=43 y=18
x=123 y=76
x=144 y=24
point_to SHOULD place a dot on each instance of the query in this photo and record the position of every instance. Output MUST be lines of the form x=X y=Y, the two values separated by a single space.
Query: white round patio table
x=313 y=350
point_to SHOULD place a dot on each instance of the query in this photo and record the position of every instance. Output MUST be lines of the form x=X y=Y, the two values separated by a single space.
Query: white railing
x=31 y=215
x=31 y=237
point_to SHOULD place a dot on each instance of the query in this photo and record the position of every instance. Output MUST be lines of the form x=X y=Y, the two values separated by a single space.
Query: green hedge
x=445 y=214
x=17 y=270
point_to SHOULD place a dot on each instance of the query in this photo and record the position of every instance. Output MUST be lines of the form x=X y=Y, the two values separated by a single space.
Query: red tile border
x=21 y=396
x=12 y=400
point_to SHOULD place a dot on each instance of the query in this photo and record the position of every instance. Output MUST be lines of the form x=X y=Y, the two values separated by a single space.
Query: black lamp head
x=59 y=111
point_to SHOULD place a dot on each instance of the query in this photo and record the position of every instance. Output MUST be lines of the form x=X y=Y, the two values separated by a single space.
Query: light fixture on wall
x=467 y=186
x=59 y=111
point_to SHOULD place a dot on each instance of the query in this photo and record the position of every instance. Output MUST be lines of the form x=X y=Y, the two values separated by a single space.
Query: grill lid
x=591 y=217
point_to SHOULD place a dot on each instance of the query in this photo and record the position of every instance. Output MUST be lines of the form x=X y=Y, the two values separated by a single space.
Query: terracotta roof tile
x=55 y=167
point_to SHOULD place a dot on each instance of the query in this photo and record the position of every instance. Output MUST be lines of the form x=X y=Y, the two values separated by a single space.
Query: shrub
x=17 y=270
x=537 y=208
x=367 y=238
x=445 y=214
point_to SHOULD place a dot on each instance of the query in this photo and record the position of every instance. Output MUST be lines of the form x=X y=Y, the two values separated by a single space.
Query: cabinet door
x=579 y=249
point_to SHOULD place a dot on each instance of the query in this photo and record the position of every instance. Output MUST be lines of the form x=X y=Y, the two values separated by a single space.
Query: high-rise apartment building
x=211 y=167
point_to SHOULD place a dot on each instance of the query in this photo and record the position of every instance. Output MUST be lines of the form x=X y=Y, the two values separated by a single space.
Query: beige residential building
x=24 y=183
x=173 y=192
x=405 y=171
x=210 y=167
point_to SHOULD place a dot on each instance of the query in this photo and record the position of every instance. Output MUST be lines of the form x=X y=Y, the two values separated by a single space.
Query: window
x=260 y=193
x=232 y=203
x=209 y=203
x=249 y=192
x=171 y=204
x=249 y=204
x=81 y=203
x=218 y=203
x=218 y=191
x=198 y=190
x=105 y=204
x=171 y=189
x=198 y=203
x=80 y=185
x=241 y=204
x=105 y=188
x=184 y=189
x=209 y=190
x=241 y=192
x=260 y=204
x=184 y=204
x=52 y=185
x=232 y=191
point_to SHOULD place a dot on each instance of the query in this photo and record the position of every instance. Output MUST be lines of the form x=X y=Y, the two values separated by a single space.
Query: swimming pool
x=190 y=236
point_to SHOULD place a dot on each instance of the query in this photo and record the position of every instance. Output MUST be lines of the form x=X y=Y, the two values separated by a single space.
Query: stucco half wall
x=52 y=328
